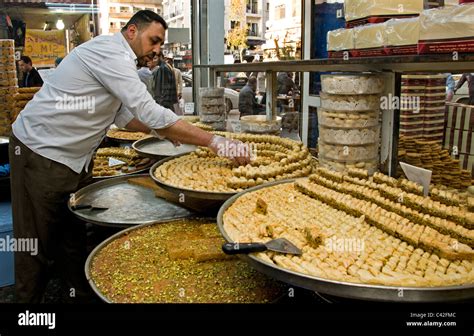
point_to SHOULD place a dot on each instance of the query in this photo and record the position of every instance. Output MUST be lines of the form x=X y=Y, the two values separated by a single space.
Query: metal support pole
x=271 y=94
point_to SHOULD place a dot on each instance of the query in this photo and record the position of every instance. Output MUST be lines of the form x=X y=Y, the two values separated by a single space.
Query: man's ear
x=131 y=32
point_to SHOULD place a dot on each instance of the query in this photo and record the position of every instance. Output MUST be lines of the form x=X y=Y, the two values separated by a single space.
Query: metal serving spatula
x=280 y=245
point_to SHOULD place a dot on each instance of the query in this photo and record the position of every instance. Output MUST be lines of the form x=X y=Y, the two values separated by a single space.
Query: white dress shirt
x=96 y=85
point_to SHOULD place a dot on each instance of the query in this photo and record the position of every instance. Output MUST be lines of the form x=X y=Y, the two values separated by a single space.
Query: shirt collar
x=128 y=50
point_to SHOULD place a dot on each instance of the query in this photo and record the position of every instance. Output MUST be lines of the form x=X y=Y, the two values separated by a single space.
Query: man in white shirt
x=55 y=136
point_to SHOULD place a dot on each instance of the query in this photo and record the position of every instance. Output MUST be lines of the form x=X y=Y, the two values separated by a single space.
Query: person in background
x=247 y=103
x=450 y=86
x=177 y=75
x=146 y=73
x=285 y=83
x=31 y=76
x=469 y=78
x=164 y=85
x=57 y=61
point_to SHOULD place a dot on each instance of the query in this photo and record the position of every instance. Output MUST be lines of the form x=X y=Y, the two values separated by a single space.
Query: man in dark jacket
x=31 y=76
x=164 y=85
x=247 y=102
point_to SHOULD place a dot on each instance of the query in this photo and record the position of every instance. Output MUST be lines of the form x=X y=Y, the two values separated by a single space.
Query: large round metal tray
x=128 y=204
x=98 y=248
x=122 y=140
x=155 y=148
x=346 y=289
x=143 y=169
x=204 y=195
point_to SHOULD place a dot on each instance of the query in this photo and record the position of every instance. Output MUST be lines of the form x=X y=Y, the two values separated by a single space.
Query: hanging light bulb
x=60 y=24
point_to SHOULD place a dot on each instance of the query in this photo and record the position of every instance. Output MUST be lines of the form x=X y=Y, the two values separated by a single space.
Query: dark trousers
x=40 y=191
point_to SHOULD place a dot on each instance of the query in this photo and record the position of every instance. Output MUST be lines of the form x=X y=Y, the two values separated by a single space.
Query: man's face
x=145 y=43
x=24 y=67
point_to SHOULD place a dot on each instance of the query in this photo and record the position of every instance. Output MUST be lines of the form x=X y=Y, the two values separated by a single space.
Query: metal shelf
x=422 y=63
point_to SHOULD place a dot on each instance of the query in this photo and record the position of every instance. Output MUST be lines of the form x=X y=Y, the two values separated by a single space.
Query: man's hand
x=235 y=150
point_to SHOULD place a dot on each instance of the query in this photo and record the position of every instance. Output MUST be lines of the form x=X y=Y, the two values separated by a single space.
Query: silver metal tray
x=144 y=169
x=118 y=235
x=346 y=289
x=120 y=140
x=204 y=195
x=158 y=149
x=128 y=204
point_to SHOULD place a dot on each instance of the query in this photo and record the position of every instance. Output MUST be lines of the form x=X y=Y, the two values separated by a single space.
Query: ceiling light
x=60 y=24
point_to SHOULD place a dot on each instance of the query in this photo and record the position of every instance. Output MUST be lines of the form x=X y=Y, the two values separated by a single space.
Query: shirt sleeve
x=119 y=76
x=123 y=117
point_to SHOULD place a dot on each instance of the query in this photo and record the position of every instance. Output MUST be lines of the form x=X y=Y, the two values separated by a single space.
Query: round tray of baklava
x=346 y=253
x=187 y=192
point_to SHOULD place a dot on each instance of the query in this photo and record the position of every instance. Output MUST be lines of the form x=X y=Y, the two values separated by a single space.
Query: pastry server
x=56 y=134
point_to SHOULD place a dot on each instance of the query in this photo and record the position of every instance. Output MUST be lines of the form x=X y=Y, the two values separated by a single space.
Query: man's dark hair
x=252 y=81
x=144 y=18
x=26 y=59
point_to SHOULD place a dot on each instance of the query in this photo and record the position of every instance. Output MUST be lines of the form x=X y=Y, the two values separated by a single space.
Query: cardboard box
x=460 y=116
x=358 y=9
x=462 y=141
x=447 y=30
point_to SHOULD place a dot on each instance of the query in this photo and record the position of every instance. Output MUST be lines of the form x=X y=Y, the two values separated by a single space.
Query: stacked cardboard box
x=360 y=12
x=459 y=138
x=8 y=85
x=423 y=107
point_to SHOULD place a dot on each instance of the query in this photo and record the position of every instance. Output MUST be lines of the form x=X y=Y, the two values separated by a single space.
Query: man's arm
x=184 y=132
x=137 y=126
x=461 y=82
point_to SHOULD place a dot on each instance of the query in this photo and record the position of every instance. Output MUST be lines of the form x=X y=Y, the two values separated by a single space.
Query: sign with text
x=43 y=47
x=418 y=175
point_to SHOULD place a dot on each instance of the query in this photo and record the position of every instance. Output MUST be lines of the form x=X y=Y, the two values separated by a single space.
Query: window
x=124 y=9
x=268 y=6
x=280 y=12
x=122 y=24
x=135 y=9
x=150 y=9
x=158 y=11
x=252 y=29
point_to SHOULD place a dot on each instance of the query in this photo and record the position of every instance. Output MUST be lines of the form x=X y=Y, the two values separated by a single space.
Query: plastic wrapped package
x=348 y=119
x=402 y=32
x=356 y=136
x=358 y=9
x=350 y=102
x=370 y=36
x=447 y=23
x=341 y=166
x=350 y=84
x=350 y=153
x=341 y=39
x=259 y=124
